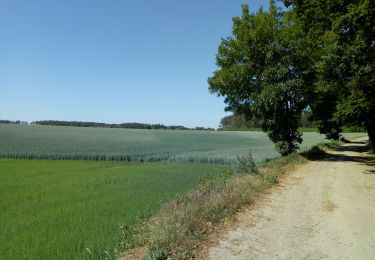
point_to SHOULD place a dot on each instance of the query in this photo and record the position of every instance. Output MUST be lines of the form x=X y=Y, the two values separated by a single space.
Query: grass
x=178 y=229
x=61 y=209
x=85 y=143
x=58 y=209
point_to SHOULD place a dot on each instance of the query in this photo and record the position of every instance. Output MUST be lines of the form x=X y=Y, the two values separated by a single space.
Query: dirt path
x=323 y=210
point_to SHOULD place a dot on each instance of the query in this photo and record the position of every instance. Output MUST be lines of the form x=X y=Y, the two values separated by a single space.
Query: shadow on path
x=370 y=172
x=338 y=154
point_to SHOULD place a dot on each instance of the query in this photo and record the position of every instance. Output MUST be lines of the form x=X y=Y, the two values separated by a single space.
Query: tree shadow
x=369 y=172
x=345 y=158
x=357 y=142
x=352 y=148
x=318 y=154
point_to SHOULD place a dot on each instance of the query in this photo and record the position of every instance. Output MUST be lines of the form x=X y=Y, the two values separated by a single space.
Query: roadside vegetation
x=180 y=227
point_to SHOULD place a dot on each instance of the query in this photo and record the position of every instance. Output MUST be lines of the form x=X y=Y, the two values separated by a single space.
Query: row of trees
x=121 y=125
x=15 y=122
x=240 y=121
x=317 y=55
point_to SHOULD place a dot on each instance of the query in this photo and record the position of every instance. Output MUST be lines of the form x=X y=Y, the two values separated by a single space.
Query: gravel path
x=323 y=210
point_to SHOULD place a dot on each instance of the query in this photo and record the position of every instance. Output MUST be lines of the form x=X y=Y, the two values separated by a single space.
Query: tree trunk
x=370 y=127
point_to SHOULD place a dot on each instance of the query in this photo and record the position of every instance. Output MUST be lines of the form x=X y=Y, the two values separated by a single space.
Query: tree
x=262 y=71
x=343 y=36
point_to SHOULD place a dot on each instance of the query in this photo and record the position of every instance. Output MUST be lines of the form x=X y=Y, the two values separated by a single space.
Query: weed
x=246 y=165
x=156 y=254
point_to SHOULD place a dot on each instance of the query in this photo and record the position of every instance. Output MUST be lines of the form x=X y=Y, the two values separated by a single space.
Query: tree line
x=105 y=125
x=15 y=122
x=314 y=55
x=121 y=125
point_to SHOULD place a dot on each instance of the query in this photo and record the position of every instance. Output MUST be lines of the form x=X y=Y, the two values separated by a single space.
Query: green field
x=62 y=209
x=54 y=142
x=57 y=209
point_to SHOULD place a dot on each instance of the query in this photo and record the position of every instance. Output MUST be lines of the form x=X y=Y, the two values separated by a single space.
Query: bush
x=316 y=152
x=246 y=165
x=156 y=254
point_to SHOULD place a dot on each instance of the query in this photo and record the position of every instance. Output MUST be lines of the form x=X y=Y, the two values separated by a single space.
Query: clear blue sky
x=113 y=61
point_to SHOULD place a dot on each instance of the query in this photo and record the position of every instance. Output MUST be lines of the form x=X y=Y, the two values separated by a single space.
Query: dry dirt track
x=323 y=210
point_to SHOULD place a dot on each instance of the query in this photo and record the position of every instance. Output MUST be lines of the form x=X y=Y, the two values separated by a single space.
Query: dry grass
x=180 y=226
x=187 y=219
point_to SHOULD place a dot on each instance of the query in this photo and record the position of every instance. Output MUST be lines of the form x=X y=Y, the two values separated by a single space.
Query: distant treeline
x=16 y=122
x=121 y=125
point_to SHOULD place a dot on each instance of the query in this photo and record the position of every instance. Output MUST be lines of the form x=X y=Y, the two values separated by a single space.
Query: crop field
x=72 y=209
x=53 y=142
x=59 y=209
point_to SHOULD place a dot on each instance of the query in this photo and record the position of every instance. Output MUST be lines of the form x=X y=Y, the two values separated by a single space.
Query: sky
x=113 y=61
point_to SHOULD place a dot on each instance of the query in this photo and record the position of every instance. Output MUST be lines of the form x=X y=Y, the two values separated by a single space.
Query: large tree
x=344 y=53
x=263 y=70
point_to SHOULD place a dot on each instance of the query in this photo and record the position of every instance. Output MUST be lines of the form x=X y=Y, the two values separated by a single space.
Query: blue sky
x=113 y=61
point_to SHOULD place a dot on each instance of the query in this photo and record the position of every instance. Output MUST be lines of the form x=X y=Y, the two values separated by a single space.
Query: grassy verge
x=178 y=229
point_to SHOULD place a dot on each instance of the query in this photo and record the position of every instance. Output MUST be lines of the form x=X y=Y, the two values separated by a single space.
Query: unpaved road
x=323 y=210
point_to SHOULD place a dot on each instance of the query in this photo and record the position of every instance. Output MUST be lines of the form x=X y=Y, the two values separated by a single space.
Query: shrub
x=156 y=254
x=246 y=165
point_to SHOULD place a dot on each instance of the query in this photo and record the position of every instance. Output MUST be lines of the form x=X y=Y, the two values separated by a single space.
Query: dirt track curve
x=323 y=210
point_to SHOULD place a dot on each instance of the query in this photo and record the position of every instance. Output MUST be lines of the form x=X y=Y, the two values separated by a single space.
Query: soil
x=325 y=209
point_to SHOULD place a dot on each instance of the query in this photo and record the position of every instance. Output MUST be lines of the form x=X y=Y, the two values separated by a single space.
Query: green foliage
x=316 y=152
x=263 y=72
x=128 y=235
x=82 y=209
x=318 y=55
x=246 y=165
x=343 y=52
x=156 y=254
x=239 y=122
x=234 y=122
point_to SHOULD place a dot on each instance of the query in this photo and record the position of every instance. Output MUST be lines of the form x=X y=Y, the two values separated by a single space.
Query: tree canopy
x=344 y=55
x=316 y=55
x=263 y=72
